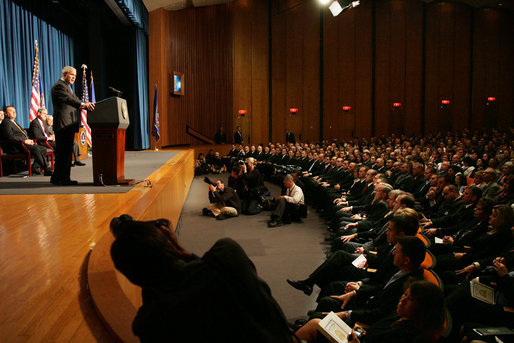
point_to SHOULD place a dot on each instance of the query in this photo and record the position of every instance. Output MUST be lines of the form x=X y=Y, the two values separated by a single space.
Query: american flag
x=83 y=112
x=35 y=96
x=156 y=130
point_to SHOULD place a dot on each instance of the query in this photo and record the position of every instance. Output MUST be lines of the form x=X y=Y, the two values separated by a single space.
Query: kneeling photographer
x=255 y=186
x=225 y=202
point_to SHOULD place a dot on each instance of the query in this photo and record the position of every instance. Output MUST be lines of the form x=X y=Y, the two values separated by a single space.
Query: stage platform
x=45 y=245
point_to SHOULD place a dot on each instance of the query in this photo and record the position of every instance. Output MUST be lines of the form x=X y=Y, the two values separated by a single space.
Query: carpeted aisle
x=290 y=251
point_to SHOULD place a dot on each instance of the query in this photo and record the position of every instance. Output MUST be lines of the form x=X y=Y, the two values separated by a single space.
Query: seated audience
x=419 y=317
x=38 y=128
x=369 y=301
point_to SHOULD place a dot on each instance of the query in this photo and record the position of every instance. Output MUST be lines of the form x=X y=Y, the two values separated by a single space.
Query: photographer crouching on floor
x=290 y=206
x=225 y=202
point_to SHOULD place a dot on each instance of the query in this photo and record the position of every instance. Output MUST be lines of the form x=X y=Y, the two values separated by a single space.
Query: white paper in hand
x=360 y=262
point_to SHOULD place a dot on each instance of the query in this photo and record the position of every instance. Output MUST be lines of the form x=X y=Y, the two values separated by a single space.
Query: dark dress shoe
x=221 y=217
x=299 y=323
x=48 y=172
x=301 y=285
x=207 y=212
x=36 y=171
x=78 y=163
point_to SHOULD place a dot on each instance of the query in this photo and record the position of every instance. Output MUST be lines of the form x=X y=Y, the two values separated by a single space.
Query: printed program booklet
x=335 y=329
x=482 y=292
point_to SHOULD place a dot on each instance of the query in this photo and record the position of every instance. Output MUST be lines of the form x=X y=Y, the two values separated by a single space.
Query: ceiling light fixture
x=336 y=8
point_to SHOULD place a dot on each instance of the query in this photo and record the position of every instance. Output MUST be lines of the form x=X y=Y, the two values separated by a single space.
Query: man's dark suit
x=10 y=131
x=290 y=138
x=65 y=104
x=36 y=131
x=373 y=301
x=238 y=137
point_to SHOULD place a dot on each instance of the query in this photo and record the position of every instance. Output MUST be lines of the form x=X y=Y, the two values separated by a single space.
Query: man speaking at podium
x=66 y=123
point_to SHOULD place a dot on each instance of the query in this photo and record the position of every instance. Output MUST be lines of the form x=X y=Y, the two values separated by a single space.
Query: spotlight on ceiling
x=324 y=2
x=336 y=7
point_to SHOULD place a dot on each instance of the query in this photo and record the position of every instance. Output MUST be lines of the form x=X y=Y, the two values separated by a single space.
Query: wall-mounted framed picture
x=178 y=83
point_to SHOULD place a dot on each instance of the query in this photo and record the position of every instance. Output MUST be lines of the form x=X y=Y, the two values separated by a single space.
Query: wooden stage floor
x=45 y=241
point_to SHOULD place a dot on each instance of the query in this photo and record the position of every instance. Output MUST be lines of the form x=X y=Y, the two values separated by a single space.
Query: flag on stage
x=83 y=112
x=156 y=131
x=35 y=96
x=93 y=97
x=42 y=101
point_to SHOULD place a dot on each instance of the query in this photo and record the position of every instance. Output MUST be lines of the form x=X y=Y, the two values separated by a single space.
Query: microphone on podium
x=115 y=91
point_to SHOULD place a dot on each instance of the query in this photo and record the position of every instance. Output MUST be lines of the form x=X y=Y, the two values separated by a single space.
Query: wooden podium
x=108 y=123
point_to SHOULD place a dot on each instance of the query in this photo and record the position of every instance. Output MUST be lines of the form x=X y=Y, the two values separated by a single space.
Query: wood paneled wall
x=251 y=69
x=448 y=63
x=398 y=66
x=198 y=43
x=348 y=71
x=296 y=70
x=383 y=51
x=493 y=69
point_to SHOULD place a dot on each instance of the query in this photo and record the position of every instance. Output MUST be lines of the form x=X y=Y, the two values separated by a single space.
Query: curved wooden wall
x=115 y=298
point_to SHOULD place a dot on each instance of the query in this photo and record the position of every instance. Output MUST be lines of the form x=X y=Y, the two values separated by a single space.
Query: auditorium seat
x=424 y=239
x=431 y=276
x=24 y=155
x=429 y=261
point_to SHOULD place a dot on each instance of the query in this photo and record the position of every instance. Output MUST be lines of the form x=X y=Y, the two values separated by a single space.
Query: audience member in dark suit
x=2 y=115
x=221 y=289
x=370 y=301
x=452 y=267
x=10 y=130
x=66 y=104
x=472 y=313
x=38 y=128
x=238 y=136
x=290 y=137
x=419 y=318
x=404 y=181
x=454 y=210
x=339 y=265
x=221 y=136
x=492 y=189
x=468 y=231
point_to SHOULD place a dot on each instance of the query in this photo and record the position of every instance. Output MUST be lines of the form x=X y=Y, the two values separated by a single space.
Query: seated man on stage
x=214 y=298
x=289 y=204
x=38 y=128
x=225 y=202
x=10 y=130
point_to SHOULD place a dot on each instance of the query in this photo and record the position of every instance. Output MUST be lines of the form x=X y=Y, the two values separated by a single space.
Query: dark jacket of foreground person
x=216 y=298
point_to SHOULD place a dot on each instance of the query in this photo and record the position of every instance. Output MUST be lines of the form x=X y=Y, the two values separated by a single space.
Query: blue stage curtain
x=18 y=30
x=141 y=117
x=136 y=12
